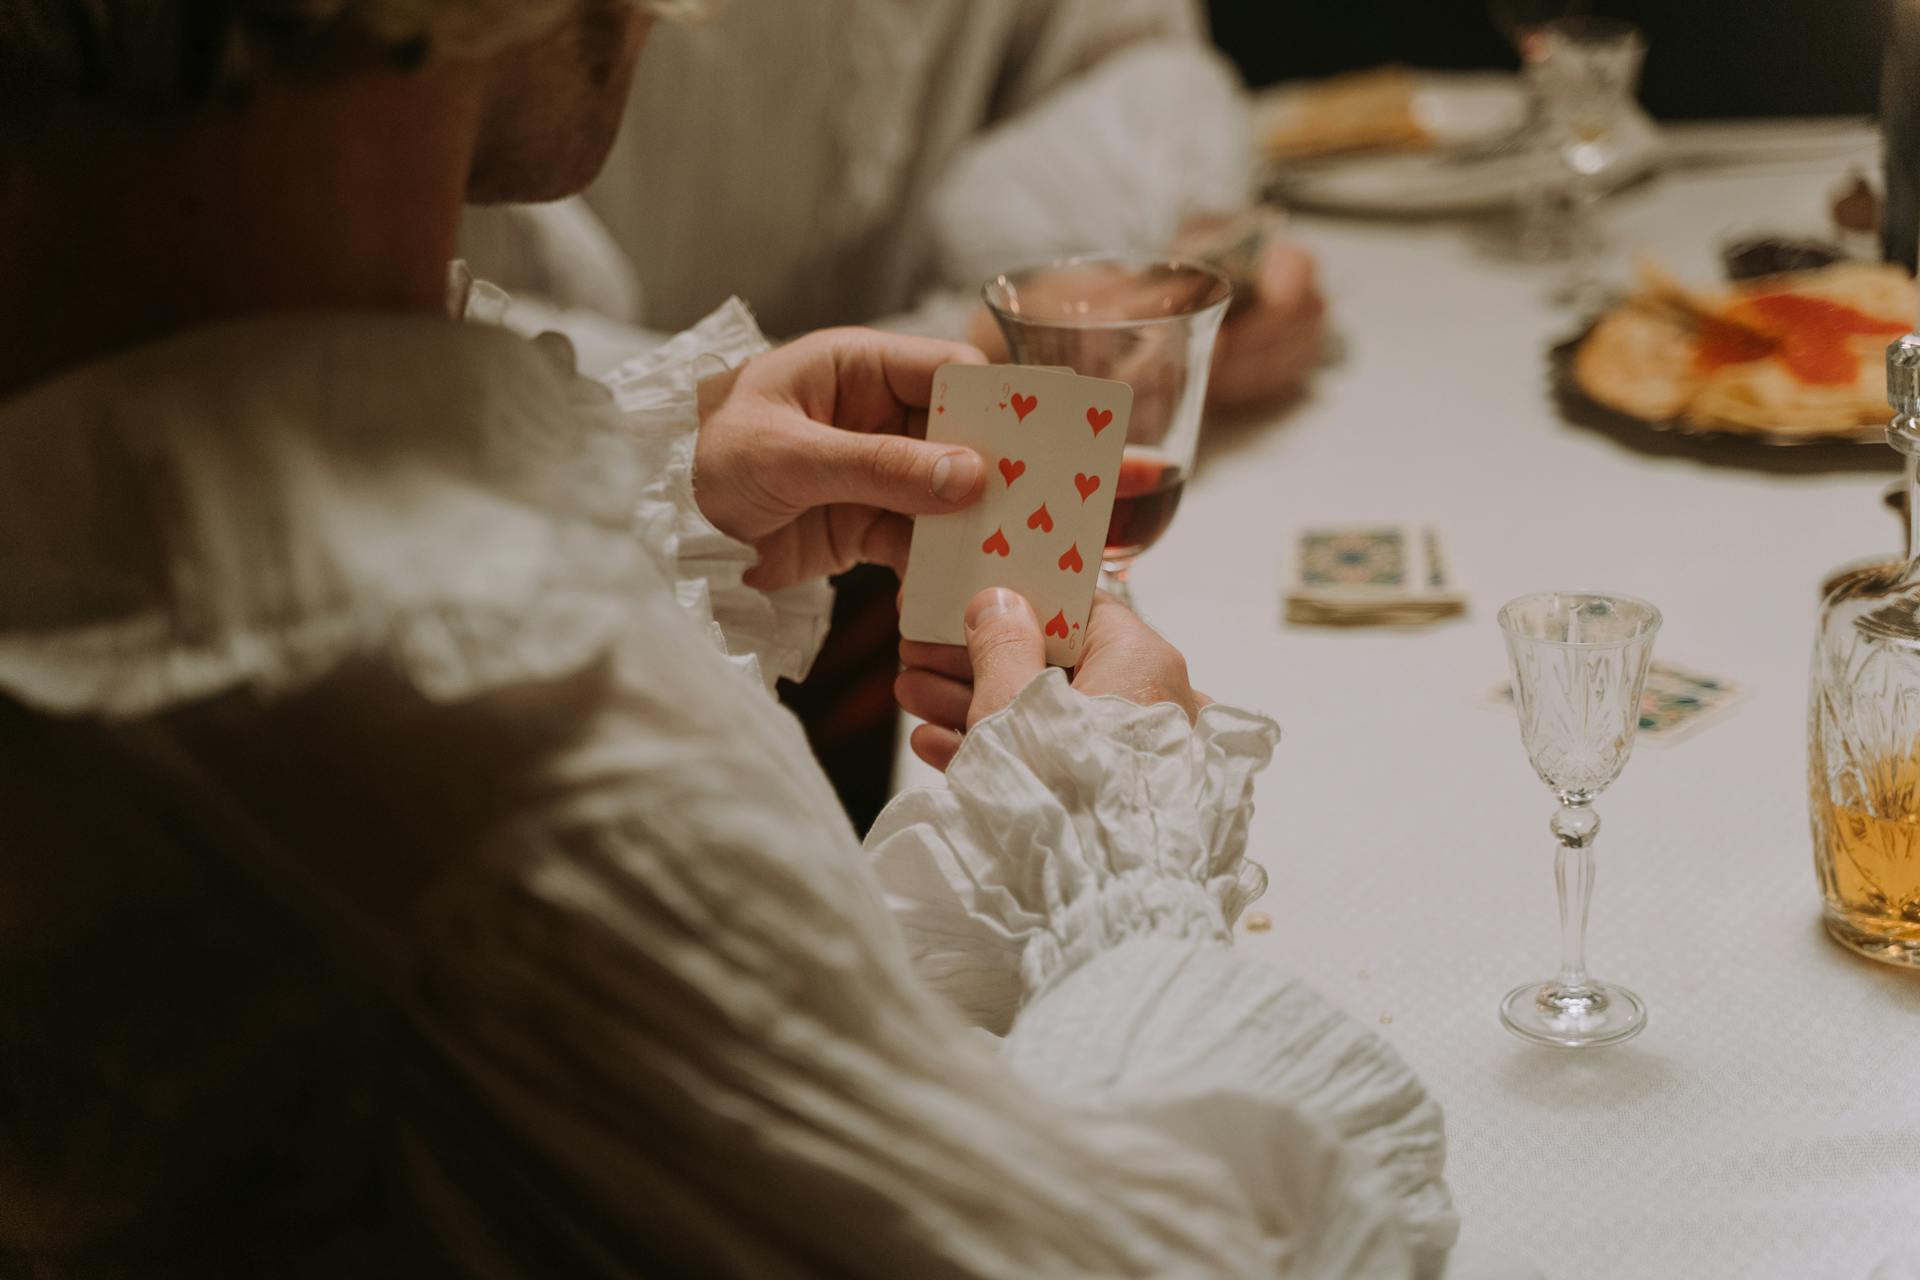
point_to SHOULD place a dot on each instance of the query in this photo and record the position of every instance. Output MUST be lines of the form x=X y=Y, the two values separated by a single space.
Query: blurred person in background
x=876 y=161
x=406 y=871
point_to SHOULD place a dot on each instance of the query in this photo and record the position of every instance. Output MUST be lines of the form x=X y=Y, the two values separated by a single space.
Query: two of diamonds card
x=1052 y=441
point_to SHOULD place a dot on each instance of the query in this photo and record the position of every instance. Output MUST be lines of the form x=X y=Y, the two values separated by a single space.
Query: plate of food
x=1387 y=110
x=1418 y=143
x=1794 y=358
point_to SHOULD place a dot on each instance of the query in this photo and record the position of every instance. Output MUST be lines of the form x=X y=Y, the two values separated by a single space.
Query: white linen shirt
x=876 y=161
x=407 y=874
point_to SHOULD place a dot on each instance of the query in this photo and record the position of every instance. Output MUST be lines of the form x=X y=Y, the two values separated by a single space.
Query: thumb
x=1006 y=649
x=893 y=473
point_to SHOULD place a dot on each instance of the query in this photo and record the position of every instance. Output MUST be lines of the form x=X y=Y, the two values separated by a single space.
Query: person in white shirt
x=407 y=871
x=876 y=161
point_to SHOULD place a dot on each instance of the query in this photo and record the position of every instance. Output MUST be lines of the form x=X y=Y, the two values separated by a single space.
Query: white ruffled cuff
x=774 y=634
x=1070 y=825
x=1232 y=1046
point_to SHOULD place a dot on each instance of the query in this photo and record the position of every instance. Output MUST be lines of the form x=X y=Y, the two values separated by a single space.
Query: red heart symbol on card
x=1024 y=405
x=996 y=545
x=1041 y=520
x=1099 y=419
x=1058 y=627
x=1086 y=484
x=1071 y=560
x=1012 y=470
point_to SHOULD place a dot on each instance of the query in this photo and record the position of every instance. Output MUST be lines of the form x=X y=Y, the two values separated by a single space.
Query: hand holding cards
x=1052 y=441
x=953 y=689
x=806 y=453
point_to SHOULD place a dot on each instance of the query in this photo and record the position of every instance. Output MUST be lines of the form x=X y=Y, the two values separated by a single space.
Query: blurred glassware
x=1520 y=21
x=1579 y=666
x=1586 y=72
x=1149 y=322
x=1863 y=724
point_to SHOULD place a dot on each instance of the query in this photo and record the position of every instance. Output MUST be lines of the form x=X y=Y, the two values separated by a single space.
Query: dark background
x=1705 y=57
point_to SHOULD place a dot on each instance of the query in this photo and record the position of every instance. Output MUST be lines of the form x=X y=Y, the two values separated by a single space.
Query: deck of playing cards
x=1052 y=441
x=1371 y=576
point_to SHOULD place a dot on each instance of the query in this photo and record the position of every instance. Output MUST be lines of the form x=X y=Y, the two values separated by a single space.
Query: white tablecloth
x=1767 y=1122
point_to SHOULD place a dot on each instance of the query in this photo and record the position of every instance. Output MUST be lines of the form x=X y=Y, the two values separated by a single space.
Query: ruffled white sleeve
x=775 y=634
x=674 y=990
x=1075 y=886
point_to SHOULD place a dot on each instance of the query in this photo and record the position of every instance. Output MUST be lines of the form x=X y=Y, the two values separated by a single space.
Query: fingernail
x=954 y=475
x=987 y=606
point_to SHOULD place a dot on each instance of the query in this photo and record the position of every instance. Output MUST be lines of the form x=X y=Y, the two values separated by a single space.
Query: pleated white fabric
x=650 y=1008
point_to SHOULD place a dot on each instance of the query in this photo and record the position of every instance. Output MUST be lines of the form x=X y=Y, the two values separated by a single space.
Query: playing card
x=1676 y=704
x=1679 y=702
x=1371 y=575
x=1052 y=441
x=1380 y=560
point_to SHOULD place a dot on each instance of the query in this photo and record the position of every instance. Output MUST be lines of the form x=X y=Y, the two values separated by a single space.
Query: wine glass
x=1149 y=322
x=1584 y=72
x=1540 y=228
x=1579 y=664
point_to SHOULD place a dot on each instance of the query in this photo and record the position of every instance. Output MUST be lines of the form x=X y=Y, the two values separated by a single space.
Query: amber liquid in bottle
x=1864 y=726
x=1868 y=851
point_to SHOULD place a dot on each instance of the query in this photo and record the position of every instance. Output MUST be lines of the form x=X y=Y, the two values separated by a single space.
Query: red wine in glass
x=1145 y=497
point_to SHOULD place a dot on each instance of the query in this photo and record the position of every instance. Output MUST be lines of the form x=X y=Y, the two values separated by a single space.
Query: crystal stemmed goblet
x=1541 y=228
x=1584 y=72
x=1579 y=664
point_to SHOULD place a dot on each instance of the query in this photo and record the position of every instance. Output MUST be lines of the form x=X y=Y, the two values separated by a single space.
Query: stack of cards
x=1052 y=441
x=1677 y=702
x=1371 y=576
